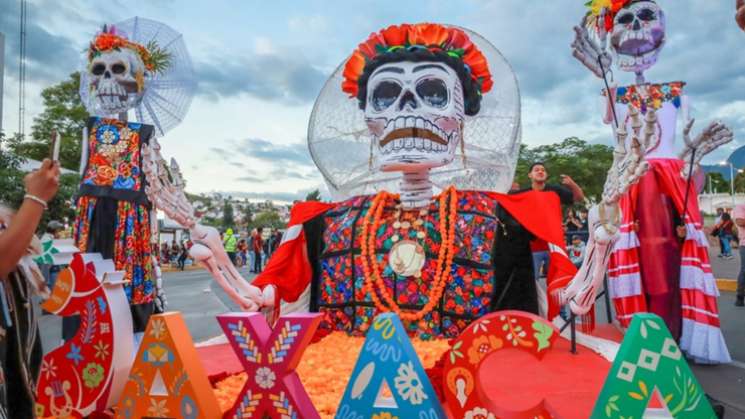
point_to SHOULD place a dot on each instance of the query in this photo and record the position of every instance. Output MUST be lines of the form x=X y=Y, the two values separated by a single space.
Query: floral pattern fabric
x=650 y=95
x=470 y=289
x=114 y=159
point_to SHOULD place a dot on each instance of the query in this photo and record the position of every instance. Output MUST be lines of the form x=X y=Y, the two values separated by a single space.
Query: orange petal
x=395 y=35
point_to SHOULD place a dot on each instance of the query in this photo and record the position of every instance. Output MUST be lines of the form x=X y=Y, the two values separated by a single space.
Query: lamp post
x=731 y=178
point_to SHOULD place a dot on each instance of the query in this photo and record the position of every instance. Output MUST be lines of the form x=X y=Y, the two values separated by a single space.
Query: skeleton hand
x=715 y=135
x=208 y=249
x=629 y=165
x=590 y=52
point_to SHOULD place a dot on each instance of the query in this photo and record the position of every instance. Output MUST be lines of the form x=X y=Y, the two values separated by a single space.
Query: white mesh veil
x=167 y=94
x=340 y=144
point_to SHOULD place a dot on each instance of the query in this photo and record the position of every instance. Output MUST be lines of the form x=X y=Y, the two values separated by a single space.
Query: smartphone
x=54 y=145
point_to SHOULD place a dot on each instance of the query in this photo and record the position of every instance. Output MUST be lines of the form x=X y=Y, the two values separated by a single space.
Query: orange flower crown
x=434 y=38
x=154 y=58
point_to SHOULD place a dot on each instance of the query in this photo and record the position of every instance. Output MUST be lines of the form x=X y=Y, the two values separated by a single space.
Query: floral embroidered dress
x=491 y=270
x=113 y=212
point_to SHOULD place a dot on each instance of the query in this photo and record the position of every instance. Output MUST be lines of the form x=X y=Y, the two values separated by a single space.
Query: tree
x=586 y=163
x=63 y=112
x=12 y=187
x=227 y=214
x=715 y=182
x=11 y=176
x=314 y=195
x=248 y=214
x=270 y=219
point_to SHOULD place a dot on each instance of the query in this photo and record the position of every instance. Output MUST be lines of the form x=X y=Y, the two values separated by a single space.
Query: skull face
x=414 y=112
x=116 y=80
x=638 y=35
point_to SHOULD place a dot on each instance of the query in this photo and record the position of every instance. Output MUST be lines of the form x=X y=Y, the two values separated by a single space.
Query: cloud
x=289 y=79
x=49 y=56
x=296 y=153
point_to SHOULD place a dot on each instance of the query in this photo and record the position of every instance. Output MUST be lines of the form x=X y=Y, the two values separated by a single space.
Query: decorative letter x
x=270 y=357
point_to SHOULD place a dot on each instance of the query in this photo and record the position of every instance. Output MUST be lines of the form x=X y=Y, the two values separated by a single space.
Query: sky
x=260 y=65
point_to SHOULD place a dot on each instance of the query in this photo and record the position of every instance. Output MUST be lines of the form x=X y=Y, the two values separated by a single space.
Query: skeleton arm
x=166 y=191
x=713 y=136
x=603 y=219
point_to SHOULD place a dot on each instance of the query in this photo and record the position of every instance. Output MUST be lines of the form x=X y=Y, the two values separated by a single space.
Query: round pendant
x=406 y=258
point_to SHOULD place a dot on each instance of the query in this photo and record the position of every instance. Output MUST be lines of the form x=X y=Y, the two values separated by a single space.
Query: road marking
x=737 y=364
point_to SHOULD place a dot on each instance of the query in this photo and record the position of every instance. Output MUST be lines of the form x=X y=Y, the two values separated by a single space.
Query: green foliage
x=248 y=215
x=586 y=163
x=11 y=177
x=269 y=219
x=227 y=214
x=715 y=182
x=64 y=112
x=314 y=195
x=12 y=187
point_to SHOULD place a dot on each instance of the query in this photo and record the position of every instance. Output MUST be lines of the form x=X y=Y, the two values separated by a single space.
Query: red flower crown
x=421 y=36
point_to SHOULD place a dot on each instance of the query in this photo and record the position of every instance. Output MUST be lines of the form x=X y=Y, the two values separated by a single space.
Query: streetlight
x=731 y=178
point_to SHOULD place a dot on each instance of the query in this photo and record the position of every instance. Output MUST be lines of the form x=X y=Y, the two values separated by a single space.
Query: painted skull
x=116 y=80
x=415 y=114
x=638 y=35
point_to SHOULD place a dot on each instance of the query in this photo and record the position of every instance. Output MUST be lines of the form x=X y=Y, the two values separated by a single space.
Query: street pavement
x=200 y=299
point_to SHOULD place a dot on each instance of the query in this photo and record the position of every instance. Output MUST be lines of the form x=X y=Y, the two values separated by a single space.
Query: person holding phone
x=20 y=344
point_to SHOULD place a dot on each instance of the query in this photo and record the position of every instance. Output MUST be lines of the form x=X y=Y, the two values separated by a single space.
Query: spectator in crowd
x=718 y=220
x=175 y=251
x=583 y=220
x=20 y=343
x=572 y=222
x=258 y=246
x=183 y=255
x=165 y=253
x=250 y=244
x=724 y=229
x=230 y=243
x=277 y=240
x=739 y=214
x=576 y=250
x=242 y=250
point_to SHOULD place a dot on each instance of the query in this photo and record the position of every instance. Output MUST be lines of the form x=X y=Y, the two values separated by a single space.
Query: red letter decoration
x=87 y=372
x=648 y=362
x=491 y=333
x=273 y=388
x=167 y=378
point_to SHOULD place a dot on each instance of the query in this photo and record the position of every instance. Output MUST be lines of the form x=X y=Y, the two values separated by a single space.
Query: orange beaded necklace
x=374 y=283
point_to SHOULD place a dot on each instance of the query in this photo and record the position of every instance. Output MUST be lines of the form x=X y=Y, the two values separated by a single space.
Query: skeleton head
x=638 y=35
x=415 y=114
x=116 y=80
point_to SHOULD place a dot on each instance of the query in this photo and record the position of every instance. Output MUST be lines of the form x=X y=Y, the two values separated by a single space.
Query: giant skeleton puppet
x=138 y=67
x=659 y=262
x=422 y=108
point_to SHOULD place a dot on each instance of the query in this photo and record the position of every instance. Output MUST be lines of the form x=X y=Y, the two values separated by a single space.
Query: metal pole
x=732 y=182
x=2 y=76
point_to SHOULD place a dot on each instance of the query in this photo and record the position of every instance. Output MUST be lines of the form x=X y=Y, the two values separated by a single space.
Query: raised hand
x=590 y=52
x=715 y=135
